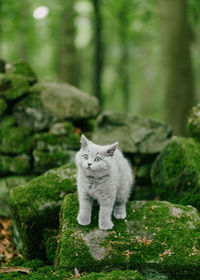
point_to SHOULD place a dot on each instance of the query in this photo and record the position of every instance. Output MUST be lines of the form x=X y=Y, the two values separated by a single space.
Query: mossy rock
x=48 y=103
x=45 y=160
x=30 y=112
x=135 y=134
x=48 y=141
x=62 y=128
x=155 y=234
x=176 y=172
x=12 y=86
x=22 y=68
x=3 y=106
x=7 y=121
x=193 y=124
x=35 y=206
x=6 y=184
x=54 y=150
x=15 y=140
x=19 y=164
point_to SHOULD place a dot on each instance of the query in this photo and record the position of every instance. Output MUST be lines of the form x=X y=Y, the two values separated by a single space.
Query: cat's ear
x=84 y=141
x=111 y=150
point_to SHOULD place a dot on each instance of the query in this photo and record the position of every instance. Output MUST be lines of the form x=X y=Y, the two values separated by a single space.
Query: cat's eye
x=97 y=159
x=85 y=156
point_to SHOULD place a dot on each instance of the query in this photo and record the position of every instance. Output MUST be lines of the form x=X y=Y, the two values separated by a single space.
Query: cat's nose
x=89 y=164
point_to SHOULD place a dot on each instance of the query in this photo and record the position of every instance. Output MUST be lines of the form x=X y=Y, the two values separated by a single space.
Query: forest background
x=137 y=56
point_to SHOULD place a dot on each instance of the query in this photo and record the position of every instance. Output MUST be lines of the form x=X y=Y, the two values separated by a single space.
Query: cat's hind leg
x=119 y=211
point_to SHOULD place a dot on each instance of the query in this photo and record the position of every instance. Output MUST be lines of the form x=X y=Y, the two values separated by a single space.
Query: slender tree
x=178 y=78
x=98 y=50
x=23 y=29
x=124 y=32
x=67 y=54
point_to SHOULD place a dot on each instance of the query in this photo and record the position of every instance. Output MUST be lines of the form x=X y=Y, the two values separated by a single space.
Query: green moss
x=35 y=206
x=45 y=160
x=176 y=172
x=156 y=234
x=19 y=164
x=6 y=184
x=13 y=86
x=23 y=68
x=39 y=271
x=3 y=106
x=50 y=243
x=48 y=141
x=7 y=121
x=15 y=140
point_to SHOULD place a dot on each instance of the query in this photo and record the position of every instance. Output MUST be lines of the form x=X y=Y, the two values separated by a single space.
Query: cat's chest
x=95 y=186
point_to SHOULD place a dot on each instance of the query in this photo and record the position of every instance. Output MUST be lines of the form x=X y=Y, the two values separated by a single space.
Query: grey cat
x=105 y=175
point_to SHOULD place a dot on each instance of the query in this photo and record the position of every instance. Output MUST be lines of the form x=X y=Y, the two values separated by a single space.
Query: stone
x=176 y=172
x=19 y=164
x=50 y=102
x=155 y=234
x=135 y=134
x=35 y=206
x=193 y=124
x=6 y=184
x=13 y=86
x=3 y=106
x=22 y=68
x=15 y=140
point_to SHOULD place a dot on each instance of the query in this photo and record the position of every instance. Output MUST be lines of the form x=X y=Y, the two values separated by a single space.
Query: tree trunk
x=123 y=72
x=23 y=30
x=98 y=52
x=178 y=78
x=67 y=54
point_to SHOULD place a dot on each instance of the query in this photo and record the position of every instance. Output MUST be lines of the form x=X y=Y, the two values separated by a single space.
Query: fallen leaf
x=15 y=269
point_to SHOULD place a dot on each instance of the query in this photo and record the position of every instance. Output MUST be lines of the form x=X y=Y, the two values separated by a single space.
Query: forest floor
x=7 y=248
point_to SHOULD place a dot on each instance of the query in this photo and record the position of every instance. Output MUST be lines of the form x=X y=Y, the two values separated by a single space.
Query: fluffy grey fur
x=105 y=175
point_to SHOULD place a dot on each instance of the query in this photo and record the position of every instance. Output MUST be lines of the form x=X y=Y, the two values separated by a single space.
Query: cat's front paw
x=106 y=225
x=83 y=220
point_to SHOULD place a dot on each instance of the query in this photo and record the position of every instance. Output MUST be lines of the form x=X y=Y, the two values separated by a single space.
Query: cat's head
x=92 y=157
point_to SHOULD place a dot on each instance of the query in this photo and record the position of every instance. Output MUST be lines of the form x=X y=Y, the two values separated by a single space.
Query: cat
x=103 y=175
